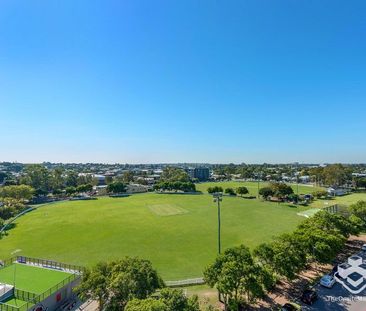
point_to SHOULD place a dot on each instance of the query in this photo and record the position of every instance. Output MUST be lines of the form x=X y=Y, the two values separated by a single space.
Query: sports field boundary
x=187 y=282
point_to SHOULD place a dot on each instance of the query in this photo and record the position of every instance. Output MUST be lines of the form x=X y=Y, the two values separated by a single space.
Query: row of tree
x=242 y=276
x=185 y=186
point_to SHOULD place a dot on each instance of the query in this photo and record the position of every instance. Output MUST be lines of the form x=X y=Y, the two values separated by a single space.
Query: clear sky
x=183 y=81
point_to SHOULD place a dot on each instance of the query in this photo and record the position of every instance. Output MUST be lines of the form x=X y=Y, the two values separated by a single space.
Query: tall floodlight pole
x=217 y=197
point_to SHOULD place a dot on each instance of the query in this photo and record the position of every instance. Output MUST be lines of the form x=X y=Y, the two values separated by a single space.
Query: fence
x=49 y=264
x=337 y=209
x=187 y=282
x=26 y=296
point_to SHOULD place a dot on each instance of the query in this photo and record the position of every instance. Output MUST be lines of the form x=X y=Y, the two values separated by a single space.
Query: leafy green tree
x=95 y=284
x=114 y=284
x=242 y=191
x=359 y=210
x=57 y=179
x=3 y=177
x=72 y=179
x=21 y=192
x=132 y=278
x=266 y=192
x=84 y=179
x=230 y=191
x=149 y=304
x=108 y=180
x=320 y=194
x=175 y=300
x=84 y=188
x=127 y=177
x=336 y=175
x=38 y=177
x=215 y=189
x=289 y=257
x=70 y=190
x=116 y=187
x=236 y=276
x=281 y=190
x=360 y=183
x=172 y=174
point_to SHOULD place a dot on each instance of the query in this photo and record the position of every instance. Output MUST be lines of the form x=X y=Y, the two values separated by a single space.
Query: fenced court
x=34 y=280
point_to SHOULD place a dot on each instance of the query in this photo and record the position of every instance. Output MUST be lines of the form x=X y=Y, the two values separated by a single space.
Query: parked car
x=309 y=296
x=364 y=247
x=291 y=306
x=327 y=281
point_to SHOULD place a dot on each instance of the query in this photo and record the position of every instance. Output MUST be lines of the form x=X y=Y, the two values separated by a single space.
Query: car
x=327 y=281
x=309 y=296
x=291 y=306
x=363 y=248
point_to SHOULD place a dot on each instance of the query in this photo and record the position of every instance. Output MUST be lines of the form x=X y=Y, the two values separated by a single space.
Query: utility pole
x=217 y=197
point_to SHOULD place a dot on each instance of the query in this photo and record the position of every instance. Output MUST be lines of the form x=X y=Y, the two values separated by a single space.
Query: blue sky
x=183 y=81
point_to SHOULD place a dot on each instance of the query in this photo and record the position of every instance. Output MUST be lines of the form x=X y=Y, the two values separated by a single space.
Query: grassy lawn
x=346 y=200
x=178 y=233
x=32 y=279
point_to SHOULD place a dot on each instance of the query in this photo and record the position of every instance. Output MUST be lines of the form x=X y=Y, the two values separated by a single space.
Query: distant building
x=100 y=179
x=200 y=173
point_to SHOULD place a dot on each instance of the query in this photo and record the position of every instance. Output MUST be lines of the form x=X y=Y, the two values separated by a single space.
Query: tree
x=57 y=179
x=38 y=177
x=281 y=190
x=214 y=189
x=320 y=194
x=336 y=175
x=230 y=191
x=236 y=276
x=70 y=190
x=360 y=183
x=174 y=174
x=169 y=300
x=114 y=284
x=116 y=187
x=72 y=179
x=242 y=191
x=127 y=177
x=94 y=284
x=3 y=176
x=108 y=180
x=359 y=210
x=149 y=304
x=266 y=192
x=132 y=278
x=289 y=257
x=175 y=300
x=21 y=192
x=84 y=188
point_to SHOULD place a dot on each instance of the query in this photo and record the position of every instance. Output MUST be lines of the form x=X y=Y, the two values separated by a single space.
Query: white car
x=363 y=247
x=327 y=281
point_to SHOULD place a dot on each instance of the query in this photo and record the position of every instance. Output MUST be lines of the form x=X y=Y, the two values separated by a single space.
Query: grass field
x=32 y=279
x=178 y=233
